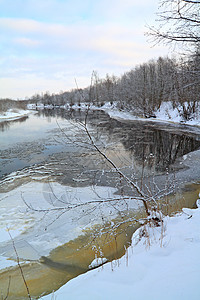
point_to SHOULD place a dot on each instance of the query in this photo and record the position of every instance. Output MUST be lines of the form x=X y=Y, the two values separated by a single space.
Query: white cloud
x=27 y=42
x=81 y=36
x=56 y=39
x=29 y=26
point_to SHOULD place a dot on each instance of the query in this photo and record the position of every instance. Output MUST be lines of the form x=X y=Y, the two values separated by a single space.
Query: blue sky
x=46 y=44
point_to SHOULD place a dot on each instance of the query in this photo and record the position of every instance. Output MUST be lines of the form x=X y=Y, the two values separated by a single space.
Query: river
x=50 y=173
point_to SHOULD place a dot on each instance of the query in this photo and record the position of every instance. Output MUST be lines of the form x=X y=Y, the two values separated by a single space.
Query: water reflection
x=145 y=144
x=5 y=125
x=153 y=147
x=53 y=113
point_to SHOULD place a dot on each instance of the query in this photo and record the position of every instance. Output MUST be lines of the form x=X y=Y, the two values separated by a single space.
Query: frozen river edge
x=188 y=172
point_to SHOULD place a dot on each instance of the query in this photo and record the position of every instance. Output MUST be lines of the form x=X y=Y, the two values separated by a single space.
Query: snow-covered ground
x=166 y=113
x=14 y=114
x=168 y=268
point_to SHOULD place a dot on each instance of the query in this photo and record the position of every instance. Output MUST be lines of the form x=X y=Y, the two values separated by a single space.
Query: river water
x=47 y=163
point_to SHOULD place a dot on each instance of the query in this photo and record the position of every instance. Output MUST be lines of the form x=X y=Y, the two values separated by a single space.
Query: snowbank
x=166 y=113
x=15 y=114
x=168 y=269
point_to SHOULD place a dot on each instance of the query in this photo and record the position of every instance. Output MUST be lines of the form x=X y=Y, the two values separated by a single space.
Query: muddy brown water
x=64 y=263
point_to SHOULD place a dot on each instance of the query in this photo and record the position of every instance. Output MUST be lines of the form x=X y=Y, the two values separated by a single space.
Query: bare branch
x=21 y=271
x=8 y=289
x=194 y=2
x=184 y=18
x=130 y=182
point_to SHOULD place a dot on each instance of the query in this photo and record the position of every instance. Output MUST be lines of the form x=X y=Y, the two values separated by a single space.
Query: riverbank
x=166 y=113
x=163 y=265
x=14 y=114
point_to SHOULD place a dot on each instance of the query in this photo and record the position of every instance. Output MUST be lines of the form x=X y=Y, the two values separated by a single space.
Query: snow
x=97 y=262
x=167 y=269
x=5 y=263
x=14 y=114
x=165 y=114
x=33 y=230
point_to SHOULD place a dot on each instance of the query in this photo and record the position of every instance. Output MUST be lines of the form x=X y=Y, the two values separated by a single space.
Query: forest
x=141 y=90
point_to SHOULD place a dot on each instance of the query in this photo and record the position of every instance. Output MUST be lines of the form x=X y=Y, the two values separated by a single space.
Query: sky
x=47 y=45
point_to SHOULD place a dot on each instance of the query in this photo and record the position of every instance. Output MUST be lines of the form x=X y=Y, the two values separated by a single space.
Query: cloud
x=70 y=10
x=27 y=42
x=29 y=26
x=57 y=40
x=82 y=36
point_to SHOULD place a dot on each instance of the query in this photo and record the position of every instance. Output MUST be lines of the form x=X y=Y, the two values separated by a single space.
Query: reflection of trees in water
x=61 y=113
x=94 y=117
x=5 y=125
x=160 y=149
x=156 y=148
x=151 y=147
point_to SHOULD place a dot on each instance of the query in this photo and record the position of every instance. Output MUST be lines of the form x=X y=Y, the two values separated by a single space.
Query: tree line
x=142 y=90
x=6 y=104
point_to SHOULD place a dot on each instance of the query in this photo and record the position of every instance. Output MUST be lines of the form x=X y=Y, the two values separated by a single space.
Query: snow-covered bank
x=168 y=269
x=165 y=114
x=14 y=114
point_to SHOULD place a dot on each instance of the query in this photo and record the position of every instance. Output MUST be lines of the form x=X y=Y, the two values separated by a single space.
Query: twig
x=8 y=289
x=21 y=271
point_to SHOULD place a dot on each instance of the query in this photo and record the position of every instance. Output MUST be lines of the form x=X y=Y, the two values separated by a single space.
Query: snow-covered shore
x=165 y=114
x=167 y=269
x=14 y=114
